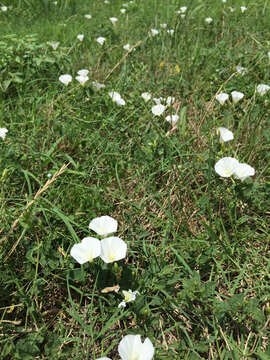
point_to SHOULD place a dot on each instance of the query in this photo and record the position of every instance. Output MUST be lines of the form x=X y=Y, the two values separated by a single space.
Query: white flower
x=243 y=9
x=101 y=40
x=224 y=1
x=208 y=20
x=243 y=171
x=80 y=37
x=222 y=98
x=236 y=96
x=129 y=296
x=98 y=85
x=163 y=26
x=122 y=11
x=116 y=97
x=55 y=45
x=170 y=100
x=183 y=16
x=103 y=225
x=106 y=2
x=132 y=348
x=232 y=9
x=170 y=32
x=158 y=110
x=126 y=47
x=172 y=119
x=88 y=16
x=224 y=134
x=158 y=101
x=65 y=79
x=4 y=8
x=183 y=9
x=88 y=249
x=113 y=249
x=241 y=70
x=113 y=20
x=83 y=72
x=226 y=166
x=262 y=89
x=154 y=32
x=146 y=96
x=3 y=133
x=82 y=79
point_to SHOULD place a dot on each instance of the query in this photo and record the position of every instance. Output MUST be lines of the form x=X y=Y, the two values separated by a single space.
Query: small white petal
x=236 y=96
x=88 y=16
x=80 y=37
x=3 y=133
x=98 y=85
x=224 y=134
x=172 y=119
x=113 y=20
x=88 y=249
x=262 y=89
x=65 y=79
x=226 y=166
x=122 y=11
x=55 y=45
x=163 y=26
x=170 y=32
x=243 y=9
x=170 y=100
x=83 y=72
x=103 y=225
x=208 y=20
x=101 y=40
x=126 y=47
x=222 y=98
x=243 y=171
x=82 y=79
x=158 y=110
x=113 y=249
x=154 y=32
x=146 y=96
x=122 y=304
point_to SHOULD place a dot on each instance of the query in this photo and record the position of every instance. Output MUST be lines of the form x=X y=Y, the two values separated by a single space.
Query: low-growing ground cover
x=195 y=274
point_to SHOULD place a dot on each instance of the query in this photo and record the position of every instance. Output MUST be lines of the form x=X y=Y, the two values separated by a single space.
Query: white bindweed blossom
x=97 y=85
x=116 y=97
x=123 y=11
x=262 y=89
x=113 y=20
x=158 y=101
x=127 y=47
x=83 y=72
x=101 y=40
x=113 y=249
x=88 y=16
x=172 y=119
x=224 y=1
x=224 y=134
x=82 y=79
x=80 y=37
x=183 y=9
x=241 y=70
x=170 y=32
x=132 y=348
x=208 y=20
x=4 y=8
x=106 y=2
x=65 y=79
x=222 y=98
x=3 y=133
x=103 y=225
x=243 y=9
x=158 y=110
x=55 y=45
x=226 y=166
x=163 y=26
x=154 y=32
x=243 y=171
x=146 y=96
x=129 y=296
x=170 y=100
x=236 y=96
x=183 y=16
x=87 y=250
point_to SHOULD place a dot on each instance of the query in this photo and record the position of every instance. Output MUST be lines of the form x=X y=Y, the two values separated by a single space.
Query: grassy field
x=198 y=243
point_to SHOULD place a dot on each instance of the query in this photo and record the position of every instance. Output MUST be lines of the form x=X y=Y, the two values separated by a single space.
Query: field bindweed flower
x=132 y=348
x=243 y=171
x=163 y=26
x=106 y=1
x=154 y=32
x=3 y=133
x=262 y=89
x=170 y=100
x=97 y=85
x=158 y=110
x=123 y=11
x=82 y=79
x=65 y=79
x=4 y=8
x=146 y=96
x=170 y=32
x=127 y=47
x=88 y=16
x=113 y=20
x=129 y=296
x=101 y=40
x=224 y=134
x=113 y=249
x=103 y=225
x=172 y=119
x=183 y=9
x=222 y=98
x=80 y=37
x=158 y=101
x=183 y=16
x=116 y=97
x=236 y=96
x=83 y=72
x=87 y=250
x=226 y=166
x=55 y=45
x=208 y=20
x=243 y=9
